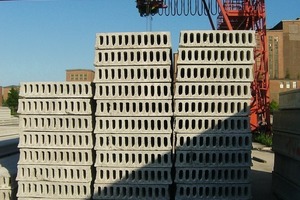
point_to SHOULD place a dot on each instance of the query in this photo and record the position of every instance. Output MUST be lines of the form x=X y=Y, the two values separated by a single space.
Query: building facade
x=278 y=86
x=80 y=75
x=1 y=96
x=283 y=42
x=6 y=90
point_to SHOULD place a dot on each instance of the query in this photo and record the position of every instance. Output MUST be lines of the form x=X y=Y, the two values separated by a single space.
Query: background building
x=6 y=90
x=284 y=57
x=0 y=96
x=80 y=75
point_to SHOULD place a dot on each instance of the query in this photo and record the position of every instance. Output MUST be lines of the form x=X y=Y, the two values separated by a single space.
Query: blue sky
x=39 y=40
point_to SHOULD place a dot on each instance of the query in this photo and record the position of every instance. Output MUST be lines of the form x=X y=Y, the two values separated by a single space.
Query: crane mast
x=231 y=15
x=251 y=15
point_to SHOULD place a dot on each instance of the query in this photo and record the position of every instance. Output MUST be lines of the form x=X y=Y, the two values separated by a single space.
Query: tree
x=273 y=106
x=12 y=100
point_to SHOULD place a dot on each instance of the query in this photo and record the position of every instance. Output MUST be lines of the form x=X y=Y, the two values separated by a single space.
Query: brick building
x=80 y=75
x=0 y=96
x=284 y=61
x=6 y=90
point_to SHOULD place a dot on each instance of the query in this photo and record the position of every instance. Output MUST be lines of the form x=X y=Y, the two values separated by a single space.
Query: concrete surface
x=262 y=172
x=9 y=132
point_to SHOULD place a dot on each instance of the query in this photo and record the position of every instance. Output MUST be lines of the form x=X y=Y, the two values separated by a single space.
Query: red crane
x=232 y=15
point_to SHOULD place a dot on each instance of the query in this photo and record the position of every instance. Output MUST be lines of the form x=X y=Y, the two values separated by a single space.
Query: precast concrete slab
x=47 y=123
x=133 y=176
x=223 y=125
x=13 y=121
x=287 y=144
x=215 y=56
x=49 y=173
x=284 y=189
x=7 y=194
x=45 y=198
x=213 y=142
x=130 y=57
x=5 y=112
x=65 y=106
x=7 y=136
x=56 y=140
x=212 y=175
x=218 y=108
x=217 y=38
x=46 y=189
x=289 y=99
x=287 y=121
x=117 y=125
x=202 y=159
x=8 y=171
x=213 y=191
x=56 y=90
x=134 y=142
x=153 y=108
x=55 y=157
x=5 y=178
x=209 y=90
x=214 y=73
x=287 y=168
x=133 y=91
x=131 y=74
x=133 y=40
x=132 y=192
x=155 y=159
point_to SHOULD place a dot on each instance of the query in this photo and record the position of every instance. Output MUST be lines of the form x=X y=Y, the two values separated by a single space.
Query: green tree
x=12 y=100
x=274 y=106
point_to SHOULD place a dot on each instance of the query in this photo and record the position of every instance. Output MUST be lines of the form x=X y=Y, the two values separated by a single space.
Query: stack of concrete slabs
x=286 y=145
x=56 y=141
x=211 y=107
x=133 y=128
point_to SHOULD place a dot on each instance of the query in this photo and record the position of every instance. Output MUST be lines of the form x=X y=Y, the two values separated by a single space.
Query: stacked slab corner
x=212 y=99
x=8 y=185
x=56 y=140
x=286 y=145
x=133 y=126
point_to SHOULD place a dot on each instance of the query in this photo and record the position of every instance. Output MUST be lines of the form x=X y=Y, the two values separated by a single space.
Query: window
x=294 y=84
x=288 y=85
x=281 y=85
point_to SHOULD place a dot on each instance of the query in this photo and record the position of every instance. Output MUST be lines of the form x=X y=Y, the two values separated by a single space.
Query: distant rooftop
x=80 y=70
x=279 y=26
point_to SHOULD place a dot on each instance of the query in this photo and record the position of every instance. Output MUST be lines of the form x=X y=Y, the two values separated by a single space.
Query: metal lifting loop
x=181 y=9
x=185 y=8
x=167 y=11
x=191 y=8
x=175 y=7
x=200 y=11
x=215 y=5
